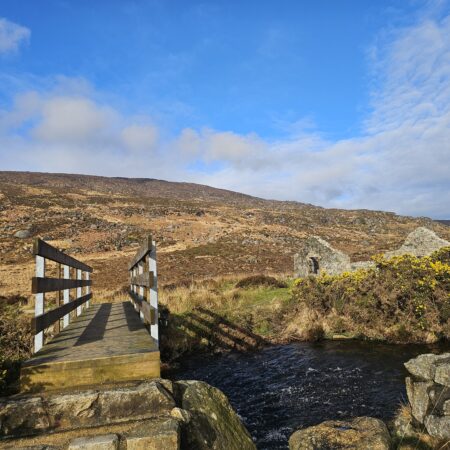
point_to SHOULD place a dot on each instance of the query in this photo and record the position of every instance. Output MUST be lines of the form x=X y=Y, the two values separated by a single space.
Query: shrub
x=15 y=343
x=402 y=299
x=260 y=280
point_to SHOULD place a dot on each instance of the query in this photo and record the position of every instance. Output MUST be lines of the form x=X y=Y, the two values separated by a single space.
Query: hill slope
x=201 y=231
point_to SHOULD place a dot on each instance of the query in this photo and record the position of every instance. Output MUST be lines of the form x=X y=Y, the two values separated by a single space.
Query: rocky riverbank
x=428 y=426
x=157 y=415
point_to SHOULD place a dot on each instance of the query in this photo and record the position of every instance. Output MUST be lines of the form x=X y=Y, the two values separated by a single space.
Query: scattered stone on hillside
x=361 y=433
x=428 y=390
x=104 y=442
x=23 y=234
x=318 y=255
x=214 y=425
x=421 y=242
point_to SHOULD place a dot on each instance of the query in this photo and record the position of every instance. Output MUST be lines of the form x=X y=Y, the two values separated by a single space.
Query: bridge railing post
x=66 y=296
x=88 y=288
x=153 y=291
x=39 y=302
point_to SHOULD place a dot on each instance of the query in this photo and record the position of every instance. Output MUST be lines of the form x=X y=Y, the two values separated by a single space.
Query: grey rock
x=362 y=433
x=58 y=412
x=420 y=242
x=424 y=366
x=438 y=427
x=104 y=442
x=442 y=374
x=419 y=398
x=446 y=408
x=214 y=425
x=23 y=234
x=162 y=434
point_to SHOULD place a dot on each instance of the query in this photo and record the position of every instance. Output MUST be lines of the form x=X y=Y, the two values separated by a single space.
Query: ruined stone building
x=318 y=255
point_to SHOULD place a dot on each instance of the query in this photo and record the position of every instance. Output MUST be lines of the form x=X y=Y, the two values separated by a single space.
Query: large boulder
x=362 y=433
x=424 y=366
x=428 y=390
x=213 y=424
x=420 y=242
x=30 y=415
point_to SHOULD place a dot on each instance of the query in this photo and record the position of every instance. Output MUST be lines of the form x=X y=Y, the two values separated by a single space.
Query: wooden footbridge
x=97 y=343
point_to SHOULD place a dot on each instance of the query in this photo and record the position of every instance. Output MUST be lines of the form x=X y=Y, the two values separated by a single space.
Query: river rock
x=428 y=392
x=213 y=424
x=418 y=395
x=362 y=433
x=438 y=426
x=58 y=412
x=424 y=366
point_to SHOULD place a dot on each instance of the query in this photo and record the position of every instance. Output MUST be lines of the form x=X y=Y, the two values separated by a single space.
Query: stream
x=281 y=388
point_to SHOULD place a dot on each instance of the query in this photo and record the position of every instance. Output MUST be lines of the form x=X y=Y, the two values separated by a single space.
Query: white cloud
x=12 y=36
x=400 y=163
x=140 y=137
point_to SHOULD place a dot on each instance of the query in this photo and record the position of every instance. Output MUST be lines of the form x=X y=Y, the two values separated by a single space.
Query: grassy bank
x=401 y=300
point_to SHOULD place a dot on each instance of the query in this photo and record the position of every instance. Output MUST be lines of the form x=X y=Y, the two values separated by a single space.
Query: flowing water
x=285 y=387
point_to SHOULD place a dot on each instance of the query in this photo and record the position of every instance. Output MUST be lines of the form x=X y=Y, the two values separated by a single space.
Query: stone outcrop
x=318 y=255
x=420 y=242
x=152 y=415
x=213 y=425
x=428 y=389
x=362 y=433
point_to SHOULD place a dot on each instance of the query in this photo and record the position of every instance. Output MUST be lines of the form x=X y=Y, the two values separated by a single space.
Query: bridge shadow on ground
x=206 y=328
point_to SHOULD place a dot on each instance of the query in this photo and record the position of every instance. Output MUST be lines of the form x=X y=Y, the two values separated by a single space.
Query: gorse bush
x=402 y=299
x=15 y=343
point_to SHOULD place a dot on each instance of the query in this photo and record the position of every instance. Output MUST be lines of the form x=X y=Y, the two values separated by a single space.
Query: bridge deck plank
x=107 y=343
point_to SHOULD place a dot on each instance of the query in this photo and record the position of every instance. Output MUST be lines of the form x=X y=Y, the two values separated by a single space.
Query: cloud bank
x=400 y=161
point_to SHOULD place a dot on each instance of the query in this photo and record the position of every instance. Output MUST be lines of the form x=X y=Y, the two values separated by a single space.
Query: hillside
x=200 y=231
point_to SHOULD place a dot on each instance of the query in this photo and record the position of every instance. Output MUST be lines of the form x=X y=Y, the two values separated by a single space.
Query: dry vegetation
x=201 y=232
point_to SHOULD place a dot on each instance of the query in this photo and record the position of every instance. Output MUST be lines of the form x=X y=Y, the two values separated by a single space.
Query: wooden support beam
x=43 y=321
x=148 y=311
x=42 y=284
x=41 y=248
x=145 y=279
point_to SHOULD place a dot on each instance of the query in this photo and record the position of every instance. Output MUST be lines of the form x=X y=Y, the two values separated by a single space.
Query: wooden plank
x=43 y=321
x=144 y=307
x=43 y=284
x=144 y=249
x=145 y=279
x=42 y=248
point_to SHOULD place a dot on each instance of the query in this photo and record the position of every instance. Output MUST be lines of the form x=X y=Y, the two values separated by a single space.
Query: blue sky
x=338 y=103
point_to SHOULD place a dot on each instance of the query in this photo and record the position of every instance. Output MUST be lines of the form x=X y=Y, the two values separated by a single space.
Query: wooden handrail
x=42 y=248
x=40 y=284
x=142 y=252
x=43 y=321
x=144 y=285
